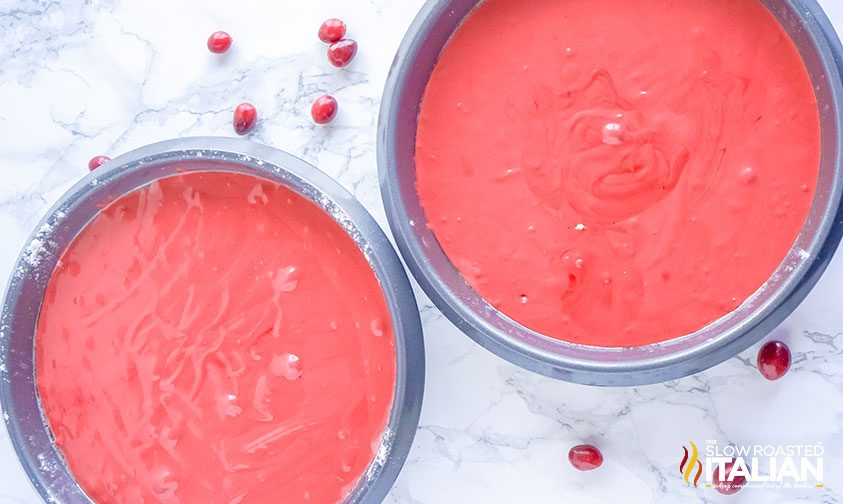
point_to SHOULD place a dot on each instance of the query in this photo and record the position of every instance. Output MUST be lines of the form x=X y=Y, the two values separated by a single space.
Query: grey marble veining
x=81 y=78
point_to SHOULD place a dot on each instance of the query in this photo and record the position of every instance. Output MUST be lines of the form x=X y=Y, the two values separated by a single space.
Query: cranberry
x=97 y=161
x=585 y=457
x=245 y=117
x=774 y=360
x=341 y=53
x=332 y=30
x=219 y=42
x=722 y=483
x=324 y=109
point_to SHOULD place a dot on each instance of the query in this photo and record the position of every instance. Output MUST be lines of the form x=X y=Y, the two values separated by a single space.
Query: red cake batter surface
x=215 y=338
x=614 y=172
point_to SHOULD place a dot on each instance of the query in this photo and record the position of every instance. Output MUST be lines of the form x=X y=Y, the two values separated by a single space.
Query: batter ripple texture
x=618 y=173
x=215 y=337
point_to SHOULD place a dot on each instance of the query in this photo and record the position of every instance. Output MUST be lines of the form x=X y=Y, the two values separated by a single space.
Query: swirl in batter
x=215 y=338
x=618 y=173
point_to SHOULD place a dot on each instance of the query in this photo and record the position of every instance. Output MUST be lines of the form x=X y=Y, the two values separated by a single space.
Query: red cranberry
x=774 y=360
x=585 y=457
x=245 y=117
x=97 y=161
x=341 y=53
x=332 y=30
x=722 y=483
x=324 y=109
x=219 y=42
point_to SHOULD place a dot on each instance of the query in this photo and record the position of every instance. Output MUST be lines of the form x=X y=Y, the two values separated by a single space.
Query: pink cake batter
x=615 y=172
x=215 y=338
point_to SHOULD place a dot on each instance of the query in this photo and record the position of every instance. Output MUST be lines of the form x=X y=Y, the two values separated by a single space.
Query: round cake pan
x=24 y=418
x=821 y=51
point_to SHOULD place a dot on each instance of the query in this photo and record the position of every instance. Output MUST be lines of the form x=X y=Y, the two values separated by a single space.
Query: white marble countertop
x=85 y=77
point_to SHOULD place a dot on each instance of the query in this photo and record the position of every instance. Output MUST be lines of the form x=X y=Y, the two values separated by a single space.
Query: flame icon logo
x=688 y=464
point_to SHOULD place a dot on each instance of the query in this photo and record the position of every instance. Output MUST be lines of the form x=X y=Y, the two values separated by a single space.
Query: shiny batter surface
x=215 y=338
x=618 y=173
